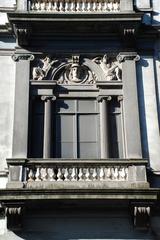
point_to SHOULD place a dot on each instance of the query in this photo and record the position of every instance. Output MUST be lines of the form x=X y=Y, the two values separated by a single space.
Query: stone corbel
x=128 y=34
x=123 y=56
x=141 y=215
x=22 y=33
x=17 y=57
x=14 y=213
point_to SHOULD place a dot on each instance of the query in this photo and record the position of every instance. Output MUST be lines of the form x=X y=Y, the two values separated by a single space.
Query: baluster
x=61 y=9
x=92 y=175
x=56 y=5
x=66 y=5
x=94 y=5
x=32 y=6
x=30 y=175
x=122 y=174
x=43 y=6
x=115 y=173
x=66 y=174
x=83 y=5
x=80 y=174
x=51 y=174
x=101 y=174
x=37 y=6
x=72 y=6
x=59 y=175
x=78 y=6
x=37 y=175
x=115 y=6
x=49 y=6
x=43 y=173
x=105 y=6
x=111 y=6
x=87 y=174
x=108 y=173
x=99 y=6
x=74 y=174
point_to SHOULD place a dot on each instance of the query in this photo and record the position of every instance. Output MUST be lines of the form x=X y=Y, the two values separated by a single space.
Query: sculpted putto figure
x=40 y=73
x=111 y=70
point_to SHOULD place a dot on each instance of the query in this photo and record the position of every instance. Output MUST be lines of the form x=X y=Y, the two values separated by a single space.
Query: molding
x=147 y=194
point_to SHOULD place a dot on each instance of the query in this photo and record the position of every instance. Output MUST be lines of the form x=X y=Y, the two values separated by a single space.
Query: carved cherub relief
x=40 y=72
x=111 y=69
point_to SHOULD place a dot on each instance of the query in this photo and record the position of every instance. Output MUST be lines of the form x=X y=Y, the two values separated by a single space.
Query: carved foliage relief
x=76 y=70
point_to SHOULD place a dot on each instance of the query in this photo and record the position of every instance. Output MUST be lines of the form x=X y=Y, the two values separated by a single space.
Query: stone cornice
x=88 y=193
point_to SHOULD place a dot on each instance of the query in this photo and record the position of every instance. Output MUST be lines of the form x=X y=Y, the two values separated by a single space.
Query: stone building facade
x=79 y=119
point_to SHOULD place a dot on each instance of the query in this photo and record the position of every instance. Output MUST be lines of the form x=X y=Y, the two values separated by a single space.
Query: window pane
x=67 y=150
x=88 y=150
x=87 y=106
x=65 y=105
x=87 y=128
x=64 y=128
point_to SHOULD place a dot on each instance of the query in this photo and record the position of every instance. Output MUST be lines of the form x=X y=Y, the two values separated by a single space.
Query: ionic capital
x=48 y=98
x=120 y=98
x=101 y=98
x=17 y=57
x=123 y=56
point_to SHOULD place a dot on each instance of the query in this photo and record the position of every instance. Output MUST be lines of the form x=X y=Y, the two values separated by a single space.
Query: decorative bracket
x=14 y=214
x=22 y=33
x=141 y=215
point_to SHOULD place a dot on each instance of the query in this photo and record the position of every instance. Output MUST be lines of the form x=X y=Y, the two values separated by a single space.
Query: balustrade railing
x=37 y=173
x=74 y=6
x=77 y=173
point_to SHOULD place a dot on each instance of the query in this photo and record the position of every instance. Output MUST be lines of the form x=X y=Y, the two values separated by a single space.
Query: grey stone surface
x=7 y=3
x=126 y=5
x=131 y=111
x=21 y=108
x=143 y=4
x=7 y=82
x=148 y=111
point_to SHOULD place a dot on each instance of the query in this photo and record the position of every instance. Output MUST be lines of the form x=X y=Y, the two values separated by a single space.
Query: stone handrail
x=74 y=6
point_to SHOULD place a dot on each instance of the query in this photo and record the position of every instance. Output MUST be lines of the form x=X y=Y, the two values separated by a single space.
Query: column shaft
x=104 y=129
x=47 y=129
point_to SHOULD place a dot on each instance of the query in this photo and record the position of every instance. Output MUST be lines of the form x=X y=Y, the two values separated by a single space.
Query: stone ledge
x=50 y=194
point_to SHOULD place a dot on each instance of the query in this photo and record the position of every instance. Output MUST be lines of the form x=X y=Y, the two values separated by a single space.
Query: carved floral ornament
x=76 y=70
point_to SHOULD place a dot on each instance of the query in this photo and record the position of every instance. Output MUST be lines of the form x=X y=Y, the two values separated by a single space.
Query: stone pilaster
x=21 y=106
x=130 y=105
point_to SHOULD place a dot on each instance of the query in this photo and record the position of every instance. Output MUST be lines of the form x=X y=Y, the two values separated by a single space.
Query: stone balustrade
x=75 y=173
x=75 y=6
